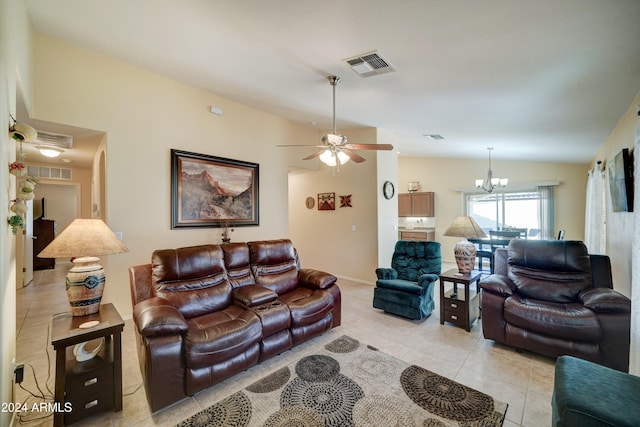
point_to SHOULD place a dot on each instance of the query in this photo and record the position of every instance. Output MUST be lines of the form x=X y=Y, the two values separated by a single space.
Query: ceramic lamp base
x=465 y=253
x=85 y=284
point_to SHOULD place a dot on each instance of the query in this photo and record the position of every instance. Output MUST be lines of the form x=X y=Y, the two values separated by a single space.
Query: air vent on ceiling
x=49 y=172
x=54 y=140
x=370 y=64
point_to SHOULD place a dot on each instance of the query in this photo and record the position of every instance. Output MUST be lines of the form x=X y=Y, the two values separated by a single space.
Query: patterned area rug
x=350 y=384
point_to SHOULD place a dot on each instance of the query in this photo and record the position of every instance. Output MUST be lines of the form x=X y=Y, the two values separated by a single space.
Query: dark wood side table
x=85 y=388
x=460 y=308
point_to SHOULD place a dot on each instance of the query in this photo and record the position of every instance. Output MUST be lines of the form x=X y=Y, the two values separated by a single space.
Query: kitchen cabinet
x=416 y=204
x=429 y=235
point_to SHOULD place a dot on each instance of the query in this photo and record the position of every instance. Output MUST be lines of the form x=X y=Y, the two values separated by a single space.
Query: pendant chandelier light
x=490 y=183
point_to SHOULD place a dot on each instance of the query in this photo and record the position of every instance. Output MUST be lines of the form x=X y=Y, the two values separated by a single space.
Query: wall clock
x=388 y=189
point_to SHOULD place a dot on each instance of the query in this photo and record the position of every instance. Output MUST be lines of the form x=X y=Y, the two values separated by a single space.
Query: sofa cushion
x=220 y=335
x=555 y=271
x=571 y=321
x=193 y=279
x=236 y=261
x=307 y=305
x=274 y=264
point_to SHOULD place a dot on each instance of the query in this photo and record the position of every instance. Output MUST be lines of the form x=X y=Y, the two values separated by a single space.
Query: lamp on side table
x=465 y=251
x=84 y=240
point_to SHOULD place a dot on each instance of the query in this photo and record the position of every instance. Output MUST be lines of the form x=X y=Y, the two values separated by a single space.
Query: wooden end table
x=85 y=388
x=460 y=308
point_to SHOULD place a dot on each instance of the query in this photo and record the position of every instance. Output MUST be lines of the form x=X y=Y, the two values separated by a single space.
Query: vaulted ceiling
x=542 y=80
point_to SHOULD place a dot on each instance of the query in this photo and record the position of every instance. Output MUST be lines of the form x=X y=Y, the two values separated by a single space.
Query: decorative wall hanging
x=310 y=202
x=326 y=201
x=345 y=201
x=209 y=191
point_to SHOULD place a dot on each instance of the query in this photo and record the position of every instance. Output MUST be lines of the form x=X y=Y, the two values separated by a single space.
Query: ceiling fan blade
x=299 y=145
x=386 y=147
x=354 y=156
x=314 y=155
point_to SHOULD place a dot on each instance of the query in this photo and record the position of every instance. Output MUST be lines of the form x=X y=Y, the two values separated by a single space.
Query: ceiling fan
x=335 y=150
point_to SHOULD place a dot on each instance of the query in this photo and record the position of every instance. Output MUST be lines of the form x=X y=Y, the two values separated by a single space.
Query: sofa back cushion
x=549 y=270
x=236 y=261
x=275 y=264
x=411 y=259
x=193 y=279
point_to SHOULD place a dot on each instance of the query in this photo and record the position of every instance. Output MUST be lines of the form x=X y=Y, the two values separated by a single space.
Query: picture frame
x=214 y=192
x=326 y=201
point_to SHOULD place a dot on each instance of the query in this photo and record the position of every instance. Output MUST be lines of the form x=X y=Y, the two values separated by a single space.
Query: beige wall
x=446 y=177
x=144 y=116
x=15 y=69
x=620 y=226
x=327 y=240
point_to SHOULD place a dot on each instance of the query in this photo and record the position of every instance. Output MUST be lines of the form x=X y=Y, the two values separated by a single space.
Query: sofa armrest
x=605 y=300
x=156 y=316
x=498 y=284
x=311 y=278
x=386 y=273
x=427 y=278
x=253 y=295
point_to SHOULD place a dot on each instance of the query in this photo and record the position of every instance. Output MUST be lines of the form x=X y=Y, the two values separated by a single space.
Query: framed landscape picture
x=209 y=191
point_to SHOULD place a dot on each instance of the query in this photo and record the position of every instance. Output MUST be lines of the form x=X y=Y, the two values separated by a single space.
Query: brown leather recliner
x=204 y=313
x=553 y=298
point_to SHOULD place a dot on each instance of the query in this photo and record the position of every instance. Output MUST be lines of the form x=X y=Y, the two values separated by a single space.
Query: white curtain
x=634 y=360
x=547 y=227
x=595 y=221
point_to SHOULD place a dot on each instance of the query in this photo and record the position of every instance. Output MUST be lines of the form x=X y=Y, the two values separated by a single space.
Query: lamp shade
x=465 y=226
x=84 y=237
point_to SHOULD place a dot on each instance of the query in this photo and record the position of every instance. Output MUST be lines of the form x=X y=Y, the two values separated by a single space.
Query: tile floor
x=523 y=380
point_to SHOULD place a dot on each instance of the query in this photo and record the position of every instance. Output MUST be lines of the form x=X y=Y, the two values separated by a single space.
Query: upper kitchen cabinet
x=416 y=204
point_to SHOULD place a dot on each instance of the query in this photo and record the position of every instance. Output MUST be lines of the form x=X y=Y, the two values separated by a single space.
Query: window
x=525 y=208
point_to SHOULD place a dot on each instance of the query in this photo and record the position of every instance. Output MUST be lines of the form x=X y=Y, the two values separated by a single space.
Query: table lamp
x=84 y=240
x=465 y=251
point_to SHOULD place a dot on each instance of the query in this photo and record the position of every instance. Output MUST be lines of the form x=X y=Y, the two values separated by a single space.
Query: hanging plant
x=16 y=221
x=18 y=207
x=17 y=169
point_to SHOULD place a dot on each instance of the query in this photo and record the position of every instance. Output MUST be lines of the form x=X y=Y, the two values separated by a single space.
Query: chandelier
x=490 y=183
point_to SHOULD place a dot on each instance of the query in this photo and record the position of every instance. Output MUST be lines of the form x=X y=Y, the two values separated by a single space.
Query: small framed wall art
x=326 y=201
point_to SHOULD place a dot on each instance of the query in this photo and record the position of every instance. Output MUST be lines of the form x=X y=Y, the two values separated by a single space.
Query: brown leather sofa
x=554 y=298
x=204 y=313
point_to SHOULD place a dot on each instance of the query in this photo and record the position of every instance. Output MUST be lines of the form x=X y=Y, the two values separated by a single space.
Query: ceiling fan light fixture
x=332 y=159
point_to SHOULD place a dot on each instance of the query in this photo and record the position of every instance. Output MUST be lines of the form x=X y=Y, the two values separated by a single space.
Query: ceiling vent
x=370 y=64
x=54 y=140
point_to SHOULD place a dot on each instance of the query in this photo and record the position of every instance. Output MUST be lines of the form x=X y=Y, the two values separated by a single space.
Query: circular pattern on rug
x=378 y=410
x=271 y=382
x=294 y=416
x=333 y=400
x=343 y=344
x=233 y=411
x=317 y=367
x=443 y=397
x=373 y=366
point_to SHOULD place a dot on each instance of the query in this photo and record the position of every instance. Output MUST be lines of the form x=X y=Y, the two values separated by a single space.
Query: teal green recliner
x=406 y=289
